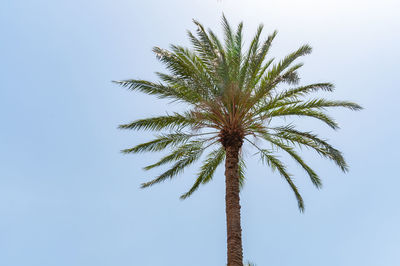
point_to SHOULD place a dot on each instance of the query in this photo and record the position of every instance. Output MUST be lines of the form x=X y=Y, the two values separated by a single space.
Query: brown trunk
x=234 y=229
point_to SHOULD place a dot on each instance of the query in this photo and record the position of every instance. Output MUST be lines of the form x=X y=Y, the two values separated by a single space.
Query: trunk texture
x=234 y=229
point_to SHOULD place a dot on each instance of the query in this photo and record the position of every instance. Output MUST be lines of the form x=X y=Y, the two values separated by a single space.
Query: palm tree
x=231 y=97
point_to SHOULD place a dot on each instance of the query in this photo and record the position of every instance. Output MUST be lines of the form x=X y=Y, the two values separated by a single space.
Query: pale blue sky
x=68 y=197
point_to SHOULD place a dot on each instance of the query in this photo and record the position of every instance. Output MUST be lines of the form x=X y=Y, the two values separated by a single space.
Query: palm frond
x=321 y=103
x=313 y=176
x=287 y=111
x=177 y=154
x=160 y=143
x=310 y=140
x=167 y=122
x=256 y=70
x=203 y=45
x=207 y=170
x=285 y=63
x=242 y=172
x=249 y=58
x=274 y=77
x=276 y=164
x=228 y=33
x=159 y=90
x=291 y=95
x=188 y=158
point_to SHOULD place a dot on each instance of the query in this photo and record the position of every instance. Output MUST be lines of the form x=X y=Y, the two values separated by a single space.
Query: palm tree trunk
x=232 y=201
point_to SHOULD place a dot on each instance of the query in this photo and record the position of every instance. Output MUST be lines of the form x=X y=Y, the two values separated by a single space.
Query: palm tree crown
x=232 y=95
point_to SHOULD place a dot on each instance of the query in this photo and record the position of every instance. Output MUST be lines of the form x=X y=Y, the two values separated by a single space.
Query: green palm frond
x=323 y=103
x=160 y=90
x=292 y=95
x=242 y=171
x=310 y=140
x=276 y=164
x=160 y=143
x=273 y=77
x=256 y=69
x=248 y=59
x=203 y=45
x=179 y=153
x=278 y=143
x=191 y=155
x=214 y=159
x=304 y=90
x=287 y=111
x=167 y=122
x=207 y=170
x=277 y=69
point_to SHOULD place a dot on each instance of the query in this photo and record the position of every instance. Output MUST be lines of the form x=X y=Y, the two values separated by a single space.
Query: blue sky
x=68 y=197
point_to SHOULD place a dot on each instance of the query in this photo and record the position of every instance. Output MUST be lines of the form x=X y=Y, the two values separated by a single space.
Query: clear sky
x=68 y=197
